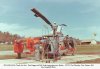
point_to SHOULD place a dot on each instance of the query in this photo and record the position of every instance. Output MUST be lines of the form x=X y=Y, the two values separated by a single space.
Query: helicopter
x=54 y=38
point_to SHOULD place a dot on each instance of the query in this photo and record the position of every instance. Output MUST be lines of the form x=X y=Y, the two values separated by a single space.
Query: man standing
x=66 y=41
x=72 y=44
x=18 y=47
x=30 y=44
x=37 y=51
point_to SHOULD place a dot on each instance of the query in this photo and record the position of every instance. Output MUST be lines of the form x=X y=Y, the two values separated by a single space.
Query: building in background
x=88 y=42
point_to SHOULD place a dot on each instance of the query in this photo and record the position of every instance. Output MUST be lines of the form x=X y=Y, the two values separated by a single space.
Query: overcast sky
x=81 y=16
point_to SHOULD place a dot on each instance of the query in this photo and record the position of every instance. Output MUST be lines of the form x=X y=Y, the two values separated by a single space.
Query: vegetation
x=5 y=47
x=79 y=49
x=88 y=49
x=6 y=37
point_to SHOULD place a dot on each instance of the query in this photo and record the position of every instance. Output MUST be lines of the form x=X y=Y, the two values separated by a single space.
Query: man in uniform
x=72 y=44
x=66 y=41
x=30 y=44
x=37 y=51
x=18 y=47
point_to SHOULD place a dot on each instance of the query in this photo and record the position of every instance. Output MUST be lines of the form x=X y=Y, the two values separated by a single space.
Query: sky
x=82 y=17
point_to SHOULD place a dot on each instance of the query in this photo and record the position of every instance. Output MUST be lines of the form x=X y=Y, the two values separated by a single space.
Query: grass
x=5 y=47
x=79 y=48
x=88 y=48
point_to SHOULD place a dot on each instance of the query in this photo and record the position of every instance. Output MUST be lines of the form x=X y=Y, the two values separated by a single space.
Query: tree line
x=6 y=37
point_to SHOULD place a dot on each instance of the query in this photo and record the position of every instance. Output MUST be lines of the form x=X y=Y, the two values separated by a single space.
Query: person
x=30 y=44
x=67 y=45
x=66 y=41
x=18 y=47
x=37 y=51
x=72 y=45
x=43 y=45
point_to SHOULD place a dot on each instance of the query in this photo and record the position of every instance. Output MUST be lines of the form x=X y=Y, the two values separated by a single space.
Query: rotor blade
x=38 y=14
x=63 y=25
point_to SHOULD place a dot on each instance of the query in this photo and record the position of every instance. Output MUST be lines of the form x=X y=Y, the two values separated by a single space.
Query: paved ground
x=6 y=52
x=64 y=59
